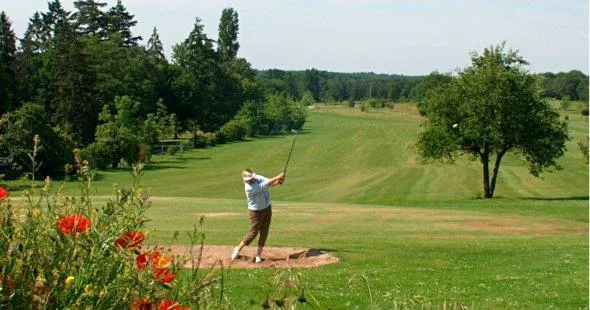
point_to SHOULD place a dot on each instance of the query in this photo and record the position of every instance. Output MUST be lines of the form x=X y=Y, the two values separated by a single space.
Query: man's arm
x=277 y=180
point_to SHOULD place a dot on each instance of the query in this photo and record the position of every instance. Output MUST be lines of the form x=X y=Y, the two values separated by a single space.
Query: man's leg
x=264 y=229
x=255 y=224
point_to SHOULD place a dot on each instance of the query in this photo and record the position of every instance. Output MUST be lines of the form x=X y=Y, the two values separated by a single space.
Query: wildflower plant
x=62 y=252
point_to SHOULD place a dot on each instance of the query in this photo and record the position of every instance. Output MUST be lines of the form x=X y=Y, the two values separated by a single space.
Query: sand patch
x=217 y=256
x=219 y=214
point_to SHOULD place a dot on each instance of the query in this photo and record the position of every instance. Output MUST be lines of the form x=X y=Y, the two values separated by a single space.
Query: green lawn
x=408 y=235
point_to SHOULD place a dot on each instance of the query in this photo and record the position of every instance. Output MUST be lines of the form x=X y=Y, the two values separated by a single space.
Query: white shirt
x=257 y=193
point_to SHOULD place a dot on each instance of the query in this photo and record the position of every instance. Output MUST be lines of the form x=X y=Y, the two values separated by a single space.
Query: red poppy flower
x=141 y=305
x=154 y=259
x=74 y=224
x=131 y=240
x=164 y=275
x=142 y=261
x=161 y=261
x=3 y=193
x=171 y=305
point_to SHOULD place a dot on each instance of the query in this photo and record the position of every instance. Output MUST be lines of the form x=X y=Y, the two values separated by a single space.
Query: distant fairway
x=347 y=156
x=408 y=235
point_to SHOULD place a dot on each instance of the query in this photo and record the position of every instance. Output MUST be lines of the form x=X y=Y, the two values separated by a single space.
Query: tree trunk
x=495 y=171
x=485 y=158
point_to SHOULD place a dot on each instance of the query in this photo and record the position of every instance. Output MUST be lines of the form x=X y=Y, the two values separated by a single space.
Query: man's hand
x=281 y=178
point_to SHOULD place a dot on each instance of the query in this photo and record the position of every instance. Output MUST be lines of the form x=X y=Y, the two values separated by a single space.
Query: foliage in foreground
x=62 y=252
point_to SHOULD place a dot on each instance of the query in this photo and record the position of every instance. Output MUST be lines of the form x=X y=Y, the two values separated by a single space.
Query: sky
x=408 y=37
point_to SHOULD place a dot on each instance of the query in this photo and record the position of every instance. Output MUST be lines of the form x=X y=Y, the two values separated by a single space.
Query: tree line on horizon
x=331 y=87
x=82 y=80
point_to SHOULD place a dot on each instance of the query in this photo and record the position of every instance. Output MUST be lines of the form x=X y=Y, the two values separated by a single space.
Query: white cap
x=247 y=175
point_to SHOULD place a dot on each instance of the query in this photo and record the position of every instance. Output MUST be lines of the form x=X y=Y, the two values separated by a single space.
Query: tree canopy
x=491 y=108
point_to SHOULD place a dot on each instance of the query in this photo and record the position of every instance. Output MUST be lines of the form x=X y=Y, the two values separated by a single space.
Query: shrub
x=350 y=103
x=584 y=111
x=375 y=103
x=565 y=103
x=199 y=140
x=98 y=155
x=210 y=138
x=62 y=252
x=220 y=138
x=187 y=145
x=173 y=149
x=19 y=128
x=364 y=107
x=583 y=146
x=233 y=130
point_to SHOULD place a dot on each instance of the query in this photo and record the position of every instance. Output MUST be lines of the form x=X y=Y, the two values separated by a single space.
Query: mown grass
x=409 y=235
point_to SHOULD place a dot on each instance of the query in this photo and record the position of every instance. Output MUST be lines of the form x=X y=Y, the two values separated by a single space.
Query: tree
x=90 y=19
x=227 y=43
x=497 y=108
x=31 y=79
x=429 y=83
x=307 y=98
x=118 y=24
x=117 y=138
x=7 y=64
x=194 y=83
x=73 y=105
x=17 y=130
x=154 y=47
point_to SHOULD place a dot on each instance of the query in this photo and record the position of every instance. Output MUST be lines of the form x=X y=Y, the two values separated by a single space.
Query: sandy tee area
x=217 y=256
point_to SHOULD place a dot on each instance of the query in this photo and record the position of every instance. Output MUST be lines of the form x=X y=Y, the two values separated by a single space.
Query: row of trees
x=86 y=76
x=338 y=87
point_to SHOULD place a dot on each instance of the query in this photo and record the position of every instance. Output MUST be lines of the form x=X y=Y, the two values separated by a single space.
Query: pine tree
x=55 y=15
x=72 y=105
x=155 y=47
x=90 y=19
x=119 y=23
x=32 y=81
x=7 y=64
x=227 y=44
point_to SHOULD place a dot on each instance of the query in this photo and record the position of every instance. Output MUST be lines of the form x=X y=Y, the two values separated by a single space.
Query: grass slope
x=409 y=235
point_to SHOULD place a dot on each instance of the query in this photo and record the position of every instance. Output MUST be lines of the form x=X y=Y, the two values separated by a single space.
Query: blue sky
x=394 y=37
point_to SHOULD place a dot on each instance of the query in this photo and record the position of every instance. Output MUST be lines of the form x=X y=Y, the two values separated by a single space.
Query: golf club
x=291 y=151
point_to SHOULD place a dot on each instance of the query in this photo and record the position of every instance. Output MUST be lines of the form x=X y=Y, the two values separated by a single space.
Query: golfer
x=259 y=209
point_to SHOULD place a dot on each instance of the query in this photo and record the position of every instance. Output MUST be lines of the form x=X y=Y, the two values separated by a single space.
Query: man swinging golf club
x=259 y=209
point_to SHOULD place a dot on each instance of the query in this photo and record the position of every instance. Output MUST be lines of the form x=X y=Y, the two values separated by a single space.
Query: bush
x=144 y=153
x=220 y=138
x=233 y=130
x=210 y=138
x=375 y=103
x=98 y=155
x=584 y=111
x=364 y=107
x=173 y=149
x=19 y=128
x=187 y=145
x=199 y=140
x=63 y=252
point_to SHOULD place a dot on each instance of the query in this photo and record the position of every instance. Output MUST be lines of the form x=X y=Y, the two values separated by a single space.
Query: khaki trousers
x=259 y=223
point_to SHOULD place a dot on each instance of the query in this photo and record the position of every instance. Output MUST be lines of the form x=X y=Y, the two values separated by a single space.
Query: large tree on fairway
x=498 y=108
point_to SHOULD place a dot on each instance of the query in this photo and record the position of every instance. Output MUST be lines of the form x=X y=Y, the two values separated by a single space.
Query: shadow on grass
x=557 y=198
x=161 y=167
